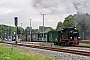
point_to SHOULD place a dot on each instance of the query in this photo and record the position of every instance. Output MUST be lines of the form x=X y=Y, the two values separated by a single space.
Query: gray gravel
x=78 y=48
x=59 y=55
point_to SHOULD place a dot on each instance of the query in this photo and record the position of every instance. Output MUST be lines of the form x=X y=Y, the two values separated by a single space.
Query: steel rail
x=78 y=52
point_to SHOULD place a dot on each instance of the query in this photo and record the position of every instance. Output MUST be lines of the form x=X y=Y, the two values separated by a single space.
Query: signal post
x=16 y=23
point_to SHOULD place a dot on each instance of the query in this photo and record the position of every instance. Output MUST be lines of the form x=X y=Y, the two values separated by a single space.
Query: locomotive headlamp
x=78 y=37
x=71 y=37
x=75 y=28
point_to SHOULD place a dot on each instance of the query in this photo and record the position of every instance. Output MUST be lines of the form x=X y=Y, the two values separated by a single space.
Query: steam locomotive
x=66 y=36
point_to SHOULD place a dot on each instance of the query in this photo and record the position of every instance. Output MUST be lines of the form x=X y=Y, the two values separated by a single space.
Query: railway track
x=84 y=53
x=78 y=46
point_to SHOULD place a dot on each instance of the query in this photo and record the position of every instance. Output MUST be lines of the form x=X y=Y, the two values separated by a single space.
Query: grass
x=84 y=44
x=6 y=53
x=42 y=44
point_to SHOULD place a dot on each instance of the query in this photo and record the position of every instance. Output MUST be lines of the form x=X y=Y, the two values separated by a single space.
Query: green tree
x=59 y=26
x=45 y=28
x=68 y=22
x=27 y=29
x=48 y=28
x=41 y=28
x=82 y=28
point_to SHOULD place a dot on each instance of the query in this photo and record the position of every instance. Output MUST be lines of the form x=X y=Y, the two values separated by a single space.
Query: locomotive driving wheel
x=70 y=44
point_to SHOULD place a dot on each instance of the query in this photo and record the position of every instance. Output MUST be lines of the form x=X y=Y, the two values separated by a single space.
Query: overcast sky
x=55 y=12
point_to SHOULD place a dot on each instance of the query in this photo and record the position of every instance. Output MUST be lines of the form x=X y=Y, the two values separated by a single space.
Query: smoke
x=59 y=6
x=81 y=7
x=50 y=6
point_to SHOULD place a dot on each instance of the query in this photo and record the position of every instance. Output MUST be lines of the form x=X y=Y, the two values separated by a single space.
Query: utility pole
x=8 y=33
x=21 y=30
x=1 y=31
x=83 y=35
x=43 y=27
x=30 y=29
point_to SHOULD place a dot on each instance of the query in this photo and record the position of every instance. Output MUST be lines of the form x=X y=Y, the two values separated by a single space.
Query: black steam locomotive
x=69 y=36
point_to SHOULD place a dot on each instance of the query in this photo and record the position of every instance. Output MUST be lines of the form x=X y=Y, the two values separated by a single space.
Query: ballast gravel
x=54 y=54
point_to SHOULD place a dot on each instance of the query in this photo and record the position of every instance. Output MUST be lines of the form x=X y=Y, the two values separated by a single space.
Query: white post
x=5 y=35
x=46 y=38
x=43 y=26
x=30 y=29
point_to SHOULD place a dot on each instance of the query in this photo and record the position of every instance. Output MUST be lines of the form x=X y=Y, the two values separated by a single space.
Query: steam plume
x=81 y=6
x=53 y=6
x=49 y=6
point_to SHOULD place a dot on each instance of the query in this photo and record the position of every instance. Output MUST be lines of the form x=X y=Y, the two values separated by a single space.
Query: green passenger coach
x=53 y=36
